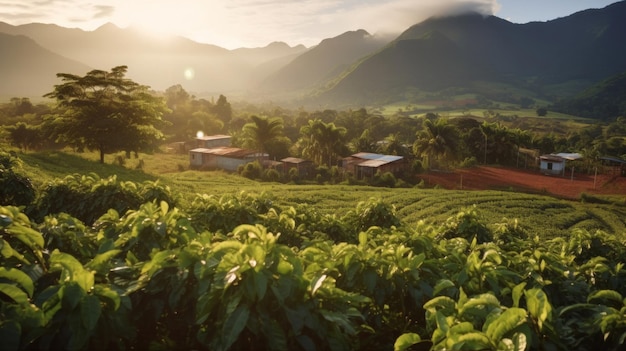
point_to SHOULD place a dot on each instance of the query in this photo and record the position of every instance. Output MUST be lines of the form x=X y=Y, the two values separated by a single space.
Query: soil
x=532 y=181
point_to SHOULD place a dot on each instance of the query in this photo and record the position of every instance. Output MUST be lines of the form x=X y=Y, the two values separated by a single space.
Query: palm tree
x=394 y=146
x=262 y=132
x=322 y=142
x=437 y=140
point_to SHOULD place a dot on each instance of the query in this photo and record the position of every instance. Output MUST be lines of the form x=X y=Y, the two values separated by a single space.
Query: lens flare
x=189 y=73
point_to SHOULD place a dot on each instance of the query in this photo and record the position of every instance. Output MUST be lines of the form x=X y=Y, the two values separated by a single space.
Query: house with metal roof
x=223 y=157
x=366 y=164
x=554 y=164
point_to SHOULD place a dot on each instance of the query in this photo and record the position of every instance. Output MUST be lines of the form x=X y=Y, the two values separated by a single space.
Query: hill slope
x=585 y=47
x=27 y=69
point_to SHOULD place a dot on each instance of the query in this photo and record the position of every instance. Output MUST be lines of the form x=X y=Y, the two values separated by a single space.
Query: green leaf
x=538 y=305
x=520 y=342
x=16 y=294
x=71 y=270
x=234 y=325
x=260 y=283
x=26 y=235
x=101 y=260
x=19 y=277
x=405 y=341
x=441 y=285
x=362 y=239
x=111 y=295
x=605 y=295
x=7 y=251
x=274 y=334
x=518 y=290
x=72 y=294
x=506 y=322
x=479 y=304
x=469 y=341
x=317 y=284
x=90 y=310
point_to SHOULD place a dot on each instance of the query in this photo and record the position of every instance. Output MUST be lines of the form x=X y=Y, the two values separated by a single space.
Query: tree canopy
x=107 y=112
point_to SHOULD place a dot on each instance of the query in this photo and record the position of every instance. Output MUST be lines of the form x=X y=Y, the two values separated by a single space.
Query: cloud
x=237 y=23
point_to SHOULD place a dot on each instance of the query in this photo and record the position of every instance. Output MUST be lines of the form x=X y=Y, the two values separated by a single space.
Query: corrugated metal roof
x=214 y=137
x=294 y=160
x=569 y=155
x=373 y=156
x=226 y=151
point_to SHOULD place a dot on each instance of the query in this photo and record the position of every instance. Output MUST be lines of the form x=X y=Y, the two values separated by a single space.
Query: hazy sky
x=256 y=23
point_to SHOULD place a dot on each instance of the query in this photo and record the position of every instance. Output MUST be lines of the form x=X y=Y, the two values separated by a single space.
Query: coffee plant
x=99 y=264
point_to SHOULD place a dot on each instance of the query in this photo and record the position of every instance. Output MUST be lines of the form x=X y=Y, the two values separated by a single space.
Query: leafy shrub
x=87 y=197
x=371 y=213
x=467 y=224
x=386 y=179
x=15 y=189
x=469 y=162
x=251 y=170
x=271 y=175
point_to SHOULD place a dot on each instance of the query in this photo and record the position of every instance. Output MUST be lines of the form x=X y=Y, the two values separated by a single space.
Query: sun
x=161 y=19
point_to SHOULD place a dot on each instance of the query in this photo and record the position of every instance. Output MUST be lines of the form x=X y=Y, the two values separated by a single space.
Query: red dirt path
x=497 y=178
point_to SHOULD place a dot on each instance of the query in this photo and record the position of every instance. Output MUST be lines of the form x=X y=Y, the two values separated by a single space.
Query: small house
x=555 y=163
x=226 y=158
x=213 y=141
x=551 y=164
x=365 y=164
x=304 y=167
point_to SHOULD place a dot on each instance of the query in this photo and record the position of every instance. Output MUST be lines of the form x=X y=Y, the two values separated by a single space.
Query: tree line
x=107 y=112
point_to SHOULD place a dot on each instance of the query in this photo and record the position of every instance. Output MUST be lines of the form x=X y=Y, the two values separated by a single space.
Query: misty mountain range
x=473 y=53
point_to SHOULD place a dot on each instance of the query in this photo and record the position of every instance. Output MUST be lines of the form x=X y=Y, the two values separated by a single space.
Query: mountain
x=487 y=56
x=604 y=100
x=330 y=57
x=158 y=62
x=468 y=50
x=28 y=69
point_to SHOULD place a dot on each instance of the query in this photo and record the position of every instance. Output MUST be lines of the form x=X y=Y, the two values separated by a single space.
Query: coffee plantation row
x=101 y=264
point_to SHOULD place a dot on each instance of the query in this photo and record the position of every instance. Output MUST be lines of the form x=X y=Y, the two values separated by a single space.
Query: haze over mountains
x=468 y=53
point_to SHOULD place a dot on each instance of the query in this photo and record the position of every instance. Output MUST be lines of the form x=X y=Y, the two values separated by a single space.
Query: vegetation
x=152 y=256
x=106 y=112
x=239 y=271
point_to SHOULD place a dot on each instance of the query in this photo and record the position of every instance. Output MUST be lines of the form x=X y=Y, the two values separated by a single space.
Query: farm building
x=365 y=164
x=212 y=141
x=554 y=164
x=304 y=167
x=226 y=158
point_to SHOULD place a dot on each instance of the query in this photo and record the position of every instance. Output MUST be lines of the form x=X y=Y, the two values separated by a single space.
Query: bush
x=386 y=179
x=251 y=170
x=469 y=162
x=15 y=189
x=271 y=175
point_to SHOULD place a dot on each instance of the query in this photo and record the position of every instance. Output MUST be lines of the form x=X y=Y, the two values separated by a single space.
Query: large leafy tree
x=437 y=140
x=107 y=112
x=322 y=142
x=263 y=133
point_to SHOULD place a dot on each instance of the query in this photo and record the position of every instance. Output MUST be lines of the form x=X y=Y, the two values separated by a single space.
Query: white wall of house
x=552 y=167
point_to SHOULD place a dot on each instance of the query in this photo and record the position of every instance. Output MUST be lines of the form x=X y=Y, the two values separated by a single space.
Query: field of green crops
x=145 y=255
x=545 y=215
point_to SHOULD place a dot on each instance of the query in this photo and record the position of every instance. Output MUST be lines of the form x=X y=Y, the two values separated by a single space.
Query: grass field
x=540 y=214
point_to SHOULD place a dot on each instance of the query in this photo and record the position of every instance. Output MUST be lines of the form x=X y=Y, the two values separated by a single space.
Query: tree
x=104 y=111
x=322 y=142
x=542 y=111
x=262 y=132
x=437 y=139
